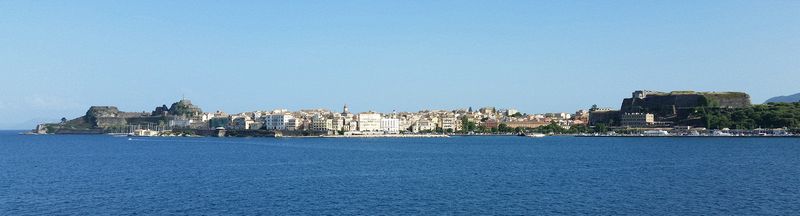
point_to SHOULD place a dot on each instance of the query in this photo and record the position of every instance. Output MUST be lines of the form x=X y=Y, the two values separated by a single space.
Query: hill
x=784 y=99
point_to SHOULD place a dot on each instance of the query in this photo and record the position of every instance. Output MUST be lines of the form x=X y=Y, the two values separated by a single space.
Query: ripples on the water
x=103 y=175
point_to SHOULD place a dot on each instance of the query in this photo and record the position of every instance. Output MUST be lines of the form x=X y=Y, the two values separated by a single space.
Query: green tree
x=503 y=127
x=467 y=126
x=771 y=115
x=482 y=128
x=600 y=128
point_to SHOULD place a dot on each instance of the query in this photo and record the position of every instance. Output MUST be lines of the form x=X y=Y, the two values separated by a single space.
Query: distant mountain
x=785 y=99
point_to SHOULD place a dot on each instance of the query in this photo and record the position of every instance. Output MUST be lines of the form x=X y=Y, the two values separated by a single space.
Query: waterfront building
x=337 y=122
x=390 y=125
x=180 y=122
x=320 y=123
x=426 y=124
x=637 y=119
x=280 y=122
x=408 y=122
x=450 y=122
x=351 y=126
x=369 y=121
x=526 y=124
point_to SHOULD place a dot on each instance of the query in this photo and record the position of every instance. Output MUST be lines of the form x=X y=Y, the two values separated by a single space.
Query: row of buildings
x=345 y=122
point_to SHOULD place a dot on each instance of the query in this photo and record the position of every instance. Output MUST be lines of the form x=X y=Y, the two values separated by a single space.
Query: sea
x=469 y=175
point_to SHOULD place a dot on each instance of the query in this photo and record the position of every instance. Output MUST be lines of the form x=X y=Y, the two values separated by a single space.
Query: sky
x=57 y=58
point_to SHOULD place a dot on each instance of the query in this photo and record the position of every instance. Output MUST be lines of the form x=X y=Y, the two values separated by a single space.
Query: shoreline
x=429 y=136
x=375 y=136
x=634 y=136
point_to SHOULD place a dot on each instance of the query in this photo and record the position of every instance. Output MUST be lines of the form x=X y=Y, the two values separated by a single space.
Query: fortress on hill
x=99 y=119
x=670 y=109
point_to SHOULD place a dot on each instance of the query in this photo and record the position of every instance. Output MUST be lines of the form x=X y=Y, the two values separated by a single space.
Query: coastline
x=421 y=135
x=375 y=136
x=679 y=136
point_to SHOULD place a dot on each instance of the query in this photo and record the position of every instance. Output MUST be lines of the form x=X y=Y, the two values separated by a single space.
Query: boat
x=720 y=133
x=535 y=135
x=655 y=133
x=144 y=133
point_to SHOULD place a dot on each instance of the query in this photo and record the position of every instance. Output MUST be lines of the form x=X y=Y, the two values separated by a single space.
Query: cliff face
x=110 y=116
x=99 y=113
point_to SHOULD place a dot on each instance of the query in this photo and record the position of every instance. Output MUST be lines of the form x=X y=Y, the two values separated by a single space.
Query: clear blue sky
x=59 y=57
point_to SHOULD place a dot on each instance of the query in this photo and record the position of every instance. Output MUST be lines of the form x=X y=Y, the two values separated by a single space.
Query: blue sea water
x=105 y=175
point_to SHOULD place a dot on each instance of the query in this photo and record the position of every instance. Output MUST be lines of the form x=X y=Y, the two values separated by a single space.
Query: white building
x=181 y=123
x=511 y=112
x=450 y=122
x=279 y=111
x=558 y=115
x=279 y=122
x=390 y=125
x=206 y=116
x=369 y=121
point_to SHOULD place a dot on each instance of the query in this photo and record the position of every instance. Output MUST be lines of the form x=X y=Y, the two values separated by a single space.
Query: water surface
x=104 y=175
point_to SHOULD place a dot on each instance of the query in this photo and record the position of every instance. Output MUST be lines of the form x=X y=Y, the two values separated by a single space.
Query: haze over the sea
x=57 y=58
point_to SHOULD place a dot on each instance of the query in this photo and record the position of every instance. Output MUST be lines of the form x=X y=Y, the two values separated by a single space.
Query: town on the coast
x=644 y=113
